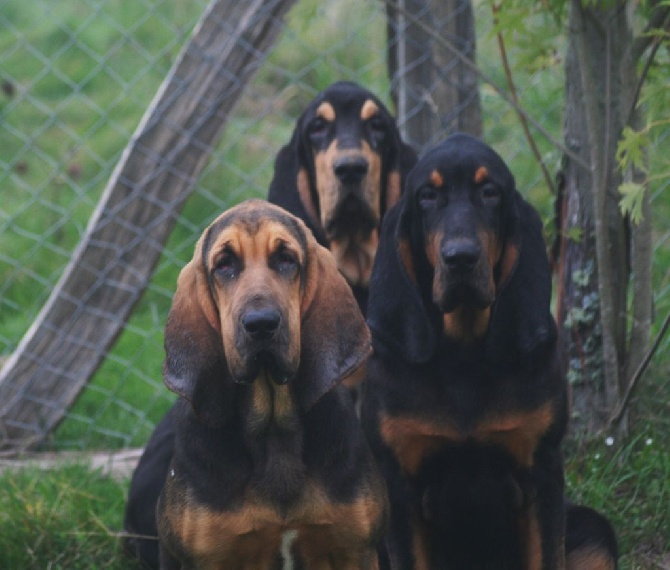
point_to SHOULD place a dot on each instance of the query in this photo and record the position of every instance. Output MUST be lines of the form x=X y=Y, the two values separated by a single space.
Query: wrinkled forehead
x=258 y=228
x=461 y=160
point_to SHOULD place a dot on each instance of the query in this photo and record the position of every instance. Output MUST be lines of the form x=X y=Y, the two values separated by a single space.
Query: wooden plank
x=118 y=465
x=114 y=261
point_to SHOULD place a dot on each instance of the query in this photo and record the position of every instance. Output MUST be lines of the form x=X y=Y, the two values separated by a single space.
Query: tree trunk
x=578 y=305
x=595 y=269
x=434 y=92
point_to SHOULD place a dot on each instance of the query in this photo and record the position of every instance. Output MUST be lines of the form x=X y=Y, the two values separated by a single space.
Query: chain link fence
x=78 y=76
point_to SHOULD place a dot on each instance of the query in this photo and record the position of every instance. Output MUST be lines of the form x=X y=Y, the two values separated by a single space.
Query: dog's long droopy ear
x=290 y=187
x=334 y=339
x=195 y=365
x=396 y=313
x=401 y=161
x=521 y=319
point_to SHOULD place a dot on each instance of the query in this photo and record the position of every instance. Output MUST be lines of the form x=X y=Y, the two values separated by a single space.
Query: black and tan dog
x=262 y=331
x=343 y=168
x=466 y=404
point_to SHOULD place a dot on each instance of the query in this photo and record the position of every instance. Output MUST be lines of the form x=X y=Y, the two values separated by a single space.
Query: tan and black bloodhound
x=343 y=168
x=465 y=401
x=262 y=332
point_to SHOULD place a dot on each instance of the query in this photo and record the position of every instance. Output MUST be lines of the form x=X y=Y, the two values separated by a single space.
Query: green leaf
x=574 y=234
x=630 y=204
x=632 y=148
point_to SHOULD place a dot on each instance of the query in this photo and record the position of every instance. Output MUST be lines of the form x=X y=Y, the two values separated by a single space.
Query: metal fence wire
x=112 y=163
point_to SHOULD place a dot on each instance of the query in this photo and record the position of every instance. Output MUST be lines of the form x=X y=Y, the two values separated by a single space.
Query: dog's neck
x=273 y=438
x=355 y=255
x=272 y=405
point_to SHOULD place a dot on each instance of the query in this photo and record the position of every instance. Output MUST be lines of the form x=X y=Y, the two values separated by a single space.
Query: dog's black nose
x=461 y=256
x=261 y=323
x=350 y=169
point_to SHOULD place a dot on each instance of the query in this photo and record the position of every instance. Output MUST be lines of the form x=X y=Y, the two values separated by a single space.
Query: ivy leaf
x=574 y=234
x=630 y=204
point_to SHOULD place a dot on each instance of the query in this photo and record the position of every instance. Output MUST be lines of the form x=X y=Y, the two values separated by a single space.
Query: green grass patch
x=629 y=482
x=69 y=518
x=62 y=519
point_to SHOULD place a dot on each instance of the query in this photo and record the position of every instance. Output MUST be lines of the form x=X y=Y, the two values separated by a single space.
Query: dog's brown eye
x=427 y=196
x=318 y=127
x=226 y=264
x=490 y=192
x=285 y=260
x=377 y=125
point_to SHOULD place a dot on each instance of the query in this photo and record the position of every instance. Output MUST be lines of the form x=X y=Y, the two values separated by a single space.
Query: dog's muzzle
x=263 y=343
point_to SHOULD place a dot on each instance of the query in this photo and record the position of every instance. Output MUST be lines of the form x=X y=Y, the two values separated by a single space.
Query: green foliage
x=65 y=519
x=632 y=149
x=530 y=30
x=584 y=315
x=629 y=482
x=632 y=152
x=632 y=196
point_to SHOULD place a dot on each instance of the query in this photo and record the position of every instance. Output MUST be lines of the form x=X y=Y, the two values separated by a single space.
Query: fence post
x=434 y=93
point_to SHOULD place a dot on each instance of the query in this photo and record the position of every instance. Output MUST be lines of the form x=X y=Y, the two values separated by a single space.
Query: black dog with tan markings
x=466 y=403
x=263 y=330
x=343 y=168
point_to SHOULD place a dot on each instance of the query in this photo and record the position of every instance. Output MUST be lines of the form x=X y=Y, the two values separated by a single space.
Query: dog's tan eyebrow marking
x=480 y=174
x=369 y=110
x=436 y=179
x=326 y=111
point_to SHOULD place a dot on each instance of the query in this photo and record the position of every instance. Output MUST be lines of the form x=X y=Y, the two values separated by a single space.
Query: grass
x=70 y=518
x=66 y=520
x=630 y=483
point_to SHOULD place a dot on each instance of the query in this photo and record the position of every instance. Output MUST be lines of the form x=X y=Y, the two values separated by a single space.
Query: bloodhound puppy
x=262 y=332
x=343 y=168
x=466 y=403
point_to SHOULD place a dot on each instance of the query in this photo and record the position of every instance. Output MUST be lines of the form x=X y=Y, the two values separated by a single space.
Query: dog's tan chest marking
x=355 y=255
x=253 y=534
x=466 y=324
x=413 y=439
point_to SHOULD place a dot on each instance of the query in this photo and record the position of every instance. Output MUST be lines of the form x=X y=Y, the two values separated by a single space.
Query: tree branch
x=625 y=400
x=660 y=19
x=495 y=8
x=599 y=133
x=656 y=41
